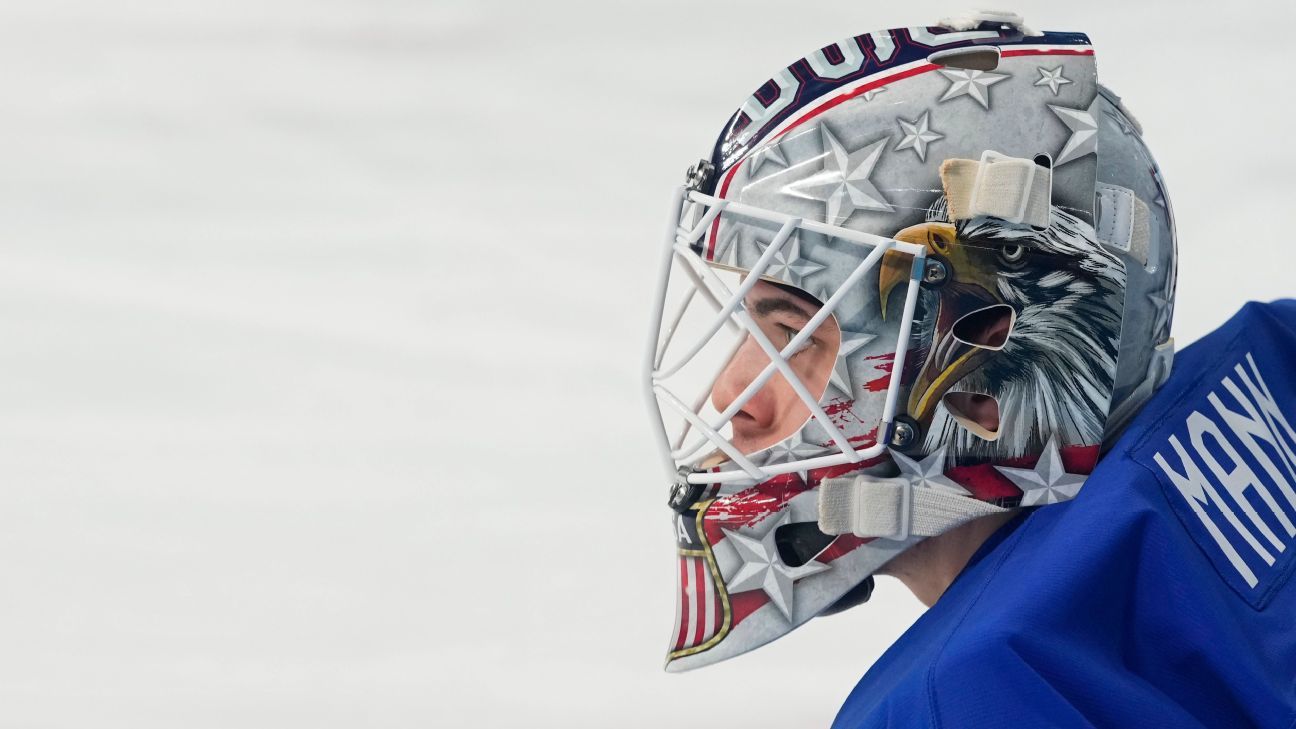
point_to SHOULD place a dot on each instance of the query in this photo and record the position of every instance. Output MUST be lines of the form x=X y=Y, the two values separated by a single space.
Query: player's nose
x=747 y=364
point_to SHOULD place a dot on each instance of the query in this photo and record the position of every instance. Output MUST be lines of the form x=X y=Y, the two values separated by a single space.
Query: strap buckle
x=903 y=510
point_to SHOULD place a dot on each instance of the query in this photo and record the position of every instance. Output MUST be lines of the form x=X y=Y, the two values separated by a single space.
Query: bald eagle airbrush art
x=1003 y=325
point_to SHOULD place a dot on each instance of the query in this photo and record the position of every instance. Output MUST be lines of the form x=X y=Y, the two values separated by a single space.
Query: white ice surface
x=321 y=330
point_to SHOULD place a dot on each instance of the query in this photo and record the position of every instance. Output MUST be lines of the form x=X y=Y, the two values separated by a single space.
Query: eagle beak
x=937 y=237
x=969 y=287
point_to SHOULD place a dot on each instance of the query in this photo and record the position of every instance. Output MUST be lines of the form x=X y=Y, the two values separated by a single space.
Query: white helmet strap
x=891 y=508
x=1012 y=189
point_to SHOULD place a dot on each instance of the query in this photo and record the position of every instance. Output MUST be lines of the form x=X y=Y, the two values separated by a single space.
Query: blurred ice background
x=321 y=325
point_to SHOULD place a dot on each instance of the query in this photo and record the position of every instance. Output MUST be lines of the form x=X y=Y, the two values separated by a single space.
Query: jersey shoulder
x=1161 y=594
x=1155 y=597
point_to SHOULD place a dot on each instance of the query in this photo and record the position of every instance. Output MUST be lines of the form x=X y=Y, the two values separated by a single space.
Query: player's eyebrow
x=770 y=304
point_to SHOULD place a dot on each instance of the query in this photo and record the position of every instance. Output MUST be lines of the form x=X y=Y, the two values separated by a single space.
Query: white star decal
x=1160 y=198
x=767 y=153
x=850 y=342
x=763 y=569
x=929 y=474
x=976 y=84
x=918 y=134
x=1083 y=124
x=1048 y=482
x=868 y=95
x=727 y=247
x=792 y=448
x=788 y=265
x=843 y=183
x=1161 y=305
x=1122 y=122
x=1052 y=78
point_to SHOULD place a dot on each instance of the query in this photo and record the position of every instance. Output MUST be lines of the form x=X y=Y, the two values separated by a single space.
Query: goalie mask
x=924 y=275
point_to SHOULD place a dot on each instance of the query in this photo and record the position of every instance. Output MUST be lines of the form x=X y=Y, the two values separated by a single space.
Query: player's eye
x=788 y=334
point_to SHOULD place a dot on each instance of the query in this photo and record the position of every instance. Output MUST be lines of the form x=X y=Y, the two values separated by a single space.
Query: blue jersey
x=1160 y=596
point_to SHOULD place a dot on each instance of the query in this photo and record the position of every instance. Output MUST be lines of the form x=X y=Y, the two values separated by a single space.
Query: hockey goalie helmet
x=939 y=259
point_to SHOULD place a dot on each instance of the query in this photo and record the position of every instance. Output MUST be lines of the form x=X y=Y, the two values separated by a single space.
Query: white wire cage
x=693 y=437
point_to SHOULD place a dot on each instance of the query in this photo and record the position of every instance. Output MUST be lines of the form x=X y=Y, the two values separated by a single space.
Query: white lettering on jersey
x=1252 y=418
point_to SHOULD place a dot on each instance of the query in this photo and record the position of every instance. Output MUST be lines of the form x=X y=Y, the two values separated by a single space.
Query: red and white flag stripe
x=700 y=614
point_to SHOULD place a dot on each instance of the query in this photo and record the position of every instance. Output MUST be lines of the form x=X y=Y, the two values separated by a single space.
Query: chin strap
x=891 y=508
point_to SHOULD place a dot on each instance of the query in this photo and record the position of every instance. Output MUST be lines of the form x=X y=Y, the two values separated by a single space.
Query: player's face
x=776 y=412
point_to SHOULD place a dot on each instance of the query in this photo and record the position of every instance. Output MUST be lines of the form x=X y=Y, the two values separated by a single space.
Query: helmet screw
x=683 y=495
x=903 y=434
x=698 y=175
x=935 y=272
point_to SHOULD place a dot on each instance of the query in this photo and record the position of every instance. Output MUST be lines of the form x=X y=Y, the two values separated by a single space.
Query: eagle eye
x=1013 y=254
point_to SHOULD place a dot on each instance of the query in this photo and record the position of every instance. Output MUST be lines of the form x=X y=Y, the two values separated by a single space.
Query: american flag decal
x=702 y=615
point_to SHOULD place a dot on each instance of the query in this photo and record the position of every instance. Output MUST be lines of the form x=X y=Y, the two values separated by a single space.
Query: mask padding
x=972 y=59
x=857 y=595
x=987 y=328
x=977 y=413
